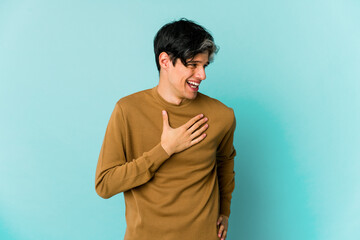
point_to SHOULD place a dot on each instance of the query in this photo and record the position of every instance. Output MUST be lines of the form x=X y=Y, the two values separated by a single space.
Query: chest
x=145 y=129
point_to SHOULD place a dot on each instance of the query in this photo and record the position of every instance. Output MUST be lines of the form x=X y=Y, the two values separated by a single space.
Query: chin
x=192 y=96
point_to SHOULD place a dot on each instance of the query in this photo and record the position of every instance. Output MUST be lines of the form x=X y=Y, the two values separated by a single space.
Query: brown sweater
x=170 y=198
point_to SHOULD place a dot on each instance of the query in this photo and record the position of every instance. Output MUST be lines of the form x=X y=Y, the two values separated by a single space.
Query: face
x=184 y=81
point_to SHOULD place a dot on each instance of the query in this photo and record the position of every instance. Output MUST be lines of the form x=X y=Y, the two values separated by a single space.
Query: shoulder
x=215 y=106
x=134 y=99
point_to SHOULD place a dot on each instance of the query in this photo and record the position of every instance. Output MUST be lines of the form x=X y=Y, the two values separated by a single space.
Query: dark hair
x=183 y=39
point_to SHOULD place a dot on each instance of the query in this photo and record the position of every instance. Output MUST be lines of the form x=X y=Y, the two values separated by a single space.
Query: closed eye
x=194 y=64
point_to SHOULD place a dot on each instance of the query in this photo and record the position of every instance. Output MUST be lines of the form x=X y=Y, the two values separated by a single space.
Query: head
x=182 y=50
x=183 y=40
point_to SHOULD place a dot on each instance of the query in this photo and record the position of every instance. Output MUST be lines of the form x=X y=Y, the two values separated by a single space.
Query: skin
x=174 y=89
x=172 y=83
x=175 y=140
x=222 y=223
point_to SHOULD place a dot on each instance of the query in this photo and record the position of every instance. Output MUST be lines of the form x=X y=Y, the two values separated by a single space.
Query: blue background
x=289 y=69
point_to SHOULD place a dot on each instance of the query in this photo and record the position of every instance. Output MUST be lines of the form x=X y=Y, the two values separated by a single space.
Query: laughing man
x=169 y=149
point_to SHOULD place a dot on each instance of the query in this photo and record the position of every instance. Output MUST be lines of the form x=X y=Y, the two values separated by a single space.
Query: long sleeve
x=225 y=169
x=114 y=172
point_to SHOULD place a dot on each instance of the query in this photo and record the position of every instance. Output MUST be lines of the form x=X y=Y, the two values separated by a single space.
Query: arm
x=114 y=174
x=225 y=169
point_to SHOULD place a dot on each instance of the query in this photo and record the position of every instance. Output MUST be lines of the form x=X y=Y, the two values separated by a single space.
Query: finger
x=224 y=235
x=165 y=119
x=199 y=131
x=193 y=120
x=197 y=125
x=219 y=220
x=221 y=229
x=198 y=139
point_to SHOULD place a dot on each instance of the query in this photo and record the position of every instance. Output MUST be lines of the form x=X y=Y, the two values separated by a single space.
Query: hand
x=175 y=140
x=222 y=223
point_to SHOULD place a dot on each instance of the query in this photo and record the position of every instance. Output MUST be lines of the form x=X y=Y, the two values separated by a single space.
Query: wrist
x=167 y=149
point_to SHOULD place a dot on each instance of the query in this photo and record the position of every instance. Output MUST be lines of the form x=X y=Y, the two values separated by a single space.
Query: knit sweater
x=170 y=198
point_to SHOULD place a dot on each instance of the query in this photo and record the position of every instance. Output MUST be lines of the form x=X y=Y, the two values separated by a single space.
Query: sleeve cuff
x=156 y=157
x=225 y=207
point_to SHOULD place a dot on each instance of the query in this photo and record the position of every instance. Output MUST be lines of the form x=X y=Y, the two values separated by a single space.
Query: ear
x=164 y=60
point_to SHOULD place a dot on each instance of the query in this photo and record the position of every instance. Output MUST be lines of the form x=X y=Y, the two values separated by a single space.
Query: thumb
x=165 y=119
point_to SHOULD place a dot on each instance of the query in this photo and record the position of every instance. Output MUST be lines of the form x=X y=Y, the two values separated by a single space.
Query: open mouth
x=193 y=85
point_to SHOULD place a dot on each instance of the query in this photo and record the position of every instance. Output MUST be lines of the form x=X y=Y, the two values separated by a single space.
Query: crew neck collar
x=184 y=103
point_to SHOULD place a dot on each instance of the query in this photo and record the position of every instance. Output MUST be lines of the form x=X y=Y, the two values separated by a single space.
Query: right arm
x=114 y=174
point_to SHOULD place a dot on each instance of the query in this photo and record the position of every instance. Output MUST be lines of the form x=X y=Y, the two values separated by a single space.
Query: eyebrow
x=192 y=61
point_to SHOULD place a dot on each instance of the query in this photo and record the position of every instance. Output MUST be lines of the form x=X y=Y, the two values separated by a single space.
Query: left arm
x=226 y=177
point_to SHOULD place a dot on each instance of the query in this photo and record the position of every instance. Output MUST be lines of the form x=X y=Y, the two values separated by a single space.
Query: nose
x=200 y=73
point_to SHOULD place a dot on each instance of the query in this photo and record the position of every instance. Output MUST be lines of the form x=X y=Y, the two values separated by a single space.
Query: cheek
x=184 y=75
x=188 y=75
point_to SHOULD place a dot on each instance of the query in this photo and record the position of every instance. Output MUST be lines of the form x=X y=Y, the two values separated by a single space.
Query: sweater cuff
x=156 y=157
x=225 y=207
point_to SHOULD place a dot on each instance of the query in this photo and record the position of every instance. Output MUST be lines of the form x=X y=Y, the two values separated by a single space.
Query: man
x=170 y=148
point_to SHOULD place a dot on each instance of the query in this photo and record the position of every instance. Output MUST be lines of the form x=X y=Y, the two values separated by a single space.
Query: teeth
x=193 y=83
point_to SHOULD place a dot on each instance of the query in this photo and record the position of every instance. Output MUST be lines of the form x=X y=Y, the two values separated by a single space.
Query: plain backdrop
x=289 y=69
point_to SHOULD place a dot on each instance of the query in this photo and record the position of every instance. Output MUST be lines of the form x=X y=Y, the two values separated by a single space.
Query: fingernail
x=201 y=115
x=163 y=112
x=206 y=119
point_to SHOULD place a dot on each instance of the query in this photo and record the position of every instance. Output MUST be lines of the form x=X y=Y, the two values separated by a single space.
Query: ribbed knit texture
x=170 y=198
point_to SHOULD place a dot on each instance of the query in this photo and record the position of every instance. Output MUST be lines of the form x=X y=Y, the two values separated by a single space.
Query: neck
x=166 y=92
x=167 y=96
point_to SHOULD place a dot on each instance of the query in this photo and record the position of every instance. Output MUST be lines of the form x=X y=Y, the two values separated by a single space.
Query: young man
x=170 y=148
